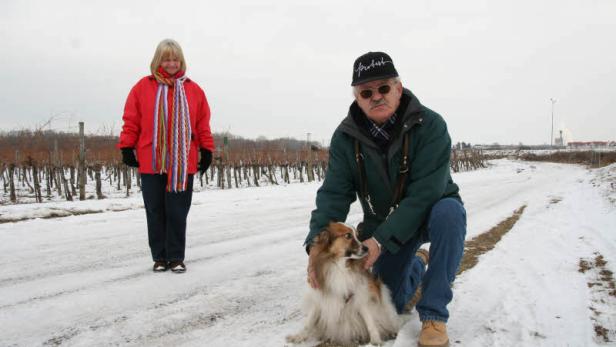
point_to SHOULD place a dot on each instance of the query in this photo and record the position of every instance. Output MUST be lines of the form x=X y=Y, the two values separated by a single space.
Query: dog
x=350 y=306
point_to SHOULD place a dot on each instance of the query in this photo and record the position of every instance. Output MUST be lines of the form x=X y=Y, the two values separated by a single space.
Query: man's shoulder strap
x=400 y=183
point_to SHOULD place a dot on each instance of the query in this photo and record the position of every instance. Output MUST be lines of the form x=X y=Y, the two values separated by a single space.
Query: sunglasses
x=367 y=93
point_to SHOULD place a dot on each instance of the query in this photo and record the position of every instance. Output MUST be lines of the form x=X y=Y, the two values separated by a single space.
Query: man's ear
x=399 y=87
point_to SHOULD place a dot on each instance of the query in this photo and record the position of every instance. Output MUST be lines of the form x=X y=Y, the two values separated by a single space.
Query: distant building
x=591 y=144
x=559 y=141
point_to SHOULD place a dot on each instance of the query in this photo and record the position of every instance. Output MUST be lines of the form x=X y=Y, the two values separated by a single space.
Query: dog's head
x=341 y=241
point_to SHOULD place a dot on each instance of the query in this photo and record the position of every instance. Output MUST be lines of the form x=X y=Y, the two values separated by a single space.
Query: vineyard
x=44 y=166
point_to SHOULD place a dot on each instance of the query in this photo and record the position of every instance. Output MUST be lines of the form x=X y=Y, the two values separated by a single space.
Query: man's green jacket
x=428 y=180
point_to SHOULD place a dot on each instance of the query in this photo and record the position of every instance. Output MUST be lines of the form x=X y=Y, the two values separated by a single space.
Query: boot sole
x=446 y=344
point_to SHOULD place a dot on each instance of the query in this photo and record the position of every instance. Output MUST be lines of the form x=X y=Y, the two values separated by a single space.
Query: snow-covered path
x=86 y=280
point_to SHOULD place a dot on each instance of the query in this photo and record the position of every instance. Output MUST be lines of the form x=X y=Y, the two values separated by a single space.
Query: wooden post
x=301 y=172
x=82 y=163
x=57 y=180
x=239 y=174
x=227 y=161
x=55 y=153
x=5 y=182
x=99 y=184
x=127 y=179
x=228 y=176
x=67 y=192
x=309 y=172
x=24 y=172
x=221 y=175
x=37 y=186
x=72 y=180
x=255 y=174
x=12 y=183
x=235 y=175
x=246 y=169
x=49 y=180
x=119 y=171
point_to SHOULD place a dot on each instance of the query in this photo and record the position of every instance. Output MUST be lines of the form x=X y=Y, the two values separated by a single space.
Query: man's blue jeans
x=403 y=272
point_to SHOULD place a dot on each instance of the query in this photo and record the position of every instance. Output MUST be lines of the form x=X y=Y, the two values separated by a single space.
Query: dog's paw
x=376 y=342
x=391 y=335
x=297 y=338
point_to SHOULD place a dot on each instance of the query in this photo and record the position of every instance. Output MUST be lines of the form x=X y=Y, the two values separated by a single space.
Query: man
x=394 y=153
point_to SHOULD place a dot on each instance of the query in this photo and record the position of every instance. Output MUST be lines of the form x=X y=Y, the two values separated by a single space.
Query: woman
x=166 y=125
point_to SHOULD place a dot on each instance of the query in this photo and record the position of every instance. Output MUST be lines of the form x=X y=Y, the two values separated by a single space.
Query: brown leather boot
x=424 y=255
x=433 y=334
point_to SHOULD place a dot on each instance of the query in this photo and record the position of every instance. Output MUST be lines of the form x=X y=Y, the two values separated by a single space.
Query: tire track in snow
x=144 y=273
x=125 y=258
x=231 y=305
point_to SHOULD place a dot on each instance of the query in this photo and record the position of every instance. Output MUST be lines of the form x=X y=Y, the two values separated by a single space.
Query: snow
x=86 y=280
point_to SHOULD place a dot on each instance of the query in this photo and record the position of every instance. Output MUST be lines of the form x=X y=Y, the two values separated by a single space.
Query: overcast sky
x=283 y=68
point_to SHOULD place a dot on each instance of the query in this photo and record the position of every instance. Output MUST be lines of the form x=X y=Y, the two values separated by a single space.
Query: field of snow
x=86 y=280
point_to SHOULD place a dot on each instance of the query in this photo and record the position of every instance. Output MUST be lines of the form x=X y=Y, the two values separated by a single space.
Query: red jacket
x=138 y=122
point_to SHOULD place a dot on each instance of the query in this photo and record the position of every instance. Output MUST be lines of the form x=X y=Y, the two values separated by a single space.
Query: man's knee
x=449 y=217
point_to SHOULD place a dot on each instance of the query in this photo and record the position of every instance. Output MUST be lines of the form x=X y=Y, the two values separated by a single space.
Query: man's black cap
x=373 y=66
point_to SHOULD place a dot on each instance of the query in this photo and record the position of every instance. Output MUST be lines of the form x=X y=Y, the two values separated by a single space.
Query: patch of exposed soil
x=603 y=295
x=485 y=242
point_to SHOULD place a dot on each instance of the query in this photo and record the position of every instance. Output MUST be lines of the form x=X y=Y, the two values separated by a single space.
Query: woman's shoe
x=160 y=266
x=177 y=266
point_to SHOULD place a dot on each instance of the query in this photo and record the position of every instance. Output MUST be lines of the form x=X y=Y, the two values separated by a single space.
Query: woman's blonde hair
x=167 y=48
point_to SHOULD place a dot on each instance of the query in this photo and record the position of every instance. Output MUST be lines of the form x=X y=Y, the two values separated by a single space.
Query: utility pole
x=553 y=100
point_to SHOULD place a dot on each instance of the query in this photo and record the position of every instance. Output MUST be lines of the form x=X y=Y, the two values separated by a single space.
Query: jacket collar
x=410 y=117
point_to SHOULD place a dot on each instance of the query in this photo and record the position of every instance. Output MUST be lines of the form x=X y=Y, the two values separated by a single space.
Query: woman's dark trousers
x=166 y=214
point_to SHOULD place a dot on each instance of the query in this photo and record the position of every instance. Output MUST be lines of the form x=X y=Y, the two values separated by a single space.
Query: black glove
x=128 y=157
x=206 y=160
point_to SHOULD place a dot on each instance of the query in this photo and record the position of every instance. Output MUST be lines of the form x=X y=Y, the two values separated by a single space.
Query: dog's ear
x=324 y=237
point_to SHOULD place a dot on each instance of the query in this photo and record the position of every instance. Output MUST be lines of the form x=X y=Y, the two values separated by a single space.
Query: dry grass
x=485 y=242
x=590 y=158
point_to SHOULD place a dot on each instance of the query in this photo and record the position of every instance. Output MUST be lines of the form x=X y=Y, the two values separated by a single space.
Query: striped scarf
x=171 y=131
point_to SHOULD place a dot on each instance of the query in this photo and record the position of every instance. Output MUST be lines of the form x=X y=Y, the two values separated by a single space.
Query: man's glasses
x=367 y=93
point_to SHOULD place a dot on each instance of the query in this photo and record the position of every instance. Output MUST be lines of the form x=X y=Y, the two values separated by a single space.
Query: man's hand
x=374 y=250
x=312 y=274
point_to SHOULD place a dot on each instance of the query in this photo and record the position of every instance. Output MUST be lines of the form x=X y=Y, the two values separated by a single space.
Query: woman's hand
x=128 y=157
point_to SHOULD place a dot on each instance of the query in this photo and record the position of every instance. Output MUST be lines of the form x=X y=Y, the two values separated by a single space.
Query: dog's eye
x=348 y=236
